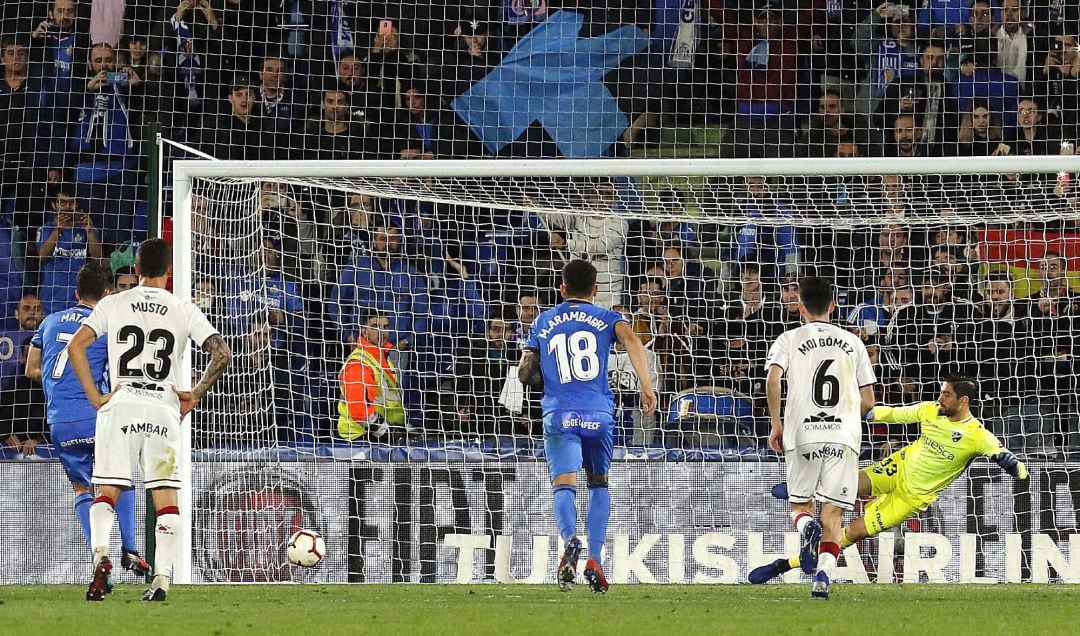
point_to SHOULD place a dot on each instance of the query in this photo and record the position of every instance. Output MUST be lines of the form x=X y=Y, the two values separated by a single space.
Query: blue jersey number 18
x=575 y=356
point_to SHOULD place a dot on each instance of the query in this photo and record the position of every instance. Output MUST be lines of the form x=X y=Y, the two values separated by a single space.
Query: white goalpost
x=292 y=258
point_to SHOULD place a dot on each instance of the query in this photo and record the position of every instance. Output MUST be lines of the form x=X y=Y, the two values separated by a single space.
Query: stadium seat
x=708 y=416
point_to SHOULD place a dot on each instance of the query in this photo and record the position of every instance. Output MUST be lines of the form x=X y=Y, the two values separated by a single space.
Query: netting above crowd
x=454 y=287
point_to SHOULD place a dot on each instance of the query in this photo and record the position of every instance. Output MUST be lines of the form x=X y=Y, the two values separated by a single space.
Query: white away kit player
x=829 y=390
x=139 y=421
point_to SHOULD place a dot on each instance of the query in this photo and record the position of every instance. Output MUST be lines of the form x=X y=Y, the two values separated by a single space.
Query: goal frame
x=186 y=171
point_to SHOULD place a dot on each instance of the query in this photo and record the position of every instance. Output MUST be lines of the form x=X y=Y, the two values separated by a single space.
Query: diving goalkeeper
x=909 y=480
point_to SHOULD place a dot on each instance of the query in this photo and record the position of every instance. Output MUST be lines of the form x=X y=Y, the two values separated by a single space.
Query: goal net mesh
x=441 y=278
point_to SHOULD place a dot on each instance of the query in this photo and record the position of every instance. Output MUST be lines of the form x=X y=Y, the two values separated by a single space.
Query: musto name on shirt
x=826 y=341
x=573 y=316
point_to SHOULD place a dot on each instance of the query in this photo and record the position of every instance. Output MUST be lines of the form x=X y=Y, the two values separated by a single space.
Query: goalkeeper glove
x=1010 y=464
x=870 y=415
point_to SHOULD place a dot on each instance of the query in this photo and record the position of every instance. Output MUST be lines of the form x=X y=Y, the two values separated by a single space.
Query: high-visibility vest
x=387 y=399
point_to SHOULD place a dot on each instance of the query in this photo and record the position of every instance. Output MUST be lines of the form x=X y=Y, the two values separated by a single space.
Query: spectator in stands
x=891 y=251
x=373 y=112
x=59 y=42
x=275 y=385
x=1005 y=356
x=22 y=410
x=599 y=239
x=670 y=231
x=527 y=309
x=28 y=314
x=348 y=232
x=1052 y=313
x=280 y=106
x=370 y=390
x=64 y=245
x=21 y=150
x=978 y=80
x=893 y=55
x=384 y=281
x=284 y=304
x=290 y=222
x=125 y=279
x=829 y=128
x=626 y=386
x=691 y=291
x=767 y=64
x=204 y=295
x=1030 y=136
x=929 y=335
x=1013 y=40
x=479 y=375
x=907 y=138
x=775 y=247
x=457 y=302
x=980 y=131
x=790 y=317
x=1057 y=85
x=134 y=54
x=333 y=135
x=390 y=65
x=191 y=36
x=424 y=127
x=943 y=19
x=103 y=138
x=239 y=134
x=748 y=327
x=976 y=36
x=871 y=317
x=929 y=99
x=469 y=60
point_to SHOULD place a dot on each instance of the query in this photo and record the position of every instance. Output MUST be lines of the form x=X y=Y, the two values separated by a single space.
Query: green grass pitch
x=307 y=610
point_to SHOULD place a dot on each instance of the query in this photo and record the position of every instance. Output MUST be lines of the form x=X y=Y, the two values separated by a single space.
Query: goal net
x=435 y=472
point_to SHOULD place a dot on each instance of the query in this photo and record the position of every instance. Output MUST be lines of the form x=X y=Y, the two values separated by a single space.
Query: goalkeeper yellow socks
x=844 y=540
x=793 y=562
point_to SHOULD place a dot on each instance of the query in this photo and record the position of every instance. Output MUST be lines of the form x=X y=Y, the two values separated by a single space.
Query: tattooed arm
x=220 y=357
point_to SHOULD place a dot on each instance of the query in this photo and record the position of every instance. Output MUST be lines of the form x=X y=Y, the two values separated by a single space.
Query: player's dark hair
x=154 y=257
x=964 y=386
x=579 y=277
x=815 y=294
x=93 y=281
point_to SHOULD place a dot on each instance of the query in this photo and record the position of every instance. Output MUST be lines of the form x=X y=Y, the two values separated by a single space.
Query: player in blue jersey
x=566 y=356
x=71 y=416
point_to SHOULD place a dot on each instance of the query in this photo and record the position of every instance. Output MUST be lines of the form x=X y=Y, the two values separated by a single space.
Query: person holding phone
x=64 y=245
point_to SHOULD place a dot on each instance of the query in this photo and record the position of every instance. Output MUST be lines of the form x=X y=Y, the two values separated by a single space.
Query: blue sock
x=596 y=520
x=125 y=516
x=82 y=511
x=565 y=512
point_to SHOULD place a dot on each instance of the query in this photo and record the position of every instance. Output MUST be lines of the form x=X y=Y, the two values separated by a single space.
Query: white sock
x=826 y=563
x=168 y=536
x=102 y=516
x=801 y=519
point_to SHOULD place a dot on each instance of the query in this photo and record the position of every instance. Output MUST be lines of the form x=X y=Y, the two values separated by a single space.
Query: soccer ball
x=306 y=548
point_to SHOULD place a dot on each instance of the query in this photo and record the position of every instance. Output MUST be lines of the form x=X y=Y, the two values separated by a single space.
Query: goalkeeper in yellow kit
x=909 y=480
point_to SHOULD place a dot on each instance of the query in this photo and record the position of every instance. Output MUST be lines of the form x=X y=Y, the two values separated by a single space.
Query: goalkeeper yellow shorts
x=890 y=506
x=885 y=474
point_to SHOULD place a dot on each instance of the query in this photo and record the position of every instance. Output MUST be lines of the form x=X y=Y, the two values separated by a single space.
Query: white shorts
x=828 y=473
x=138 y=426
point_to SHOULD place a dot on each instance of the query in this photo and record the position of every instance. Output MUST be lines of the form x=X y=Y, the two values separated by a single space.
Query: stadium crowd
x=440 y=297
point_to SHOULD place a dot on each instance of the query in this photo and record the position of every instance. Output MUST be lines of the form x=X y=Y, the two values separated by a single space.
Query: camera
x=117 y=78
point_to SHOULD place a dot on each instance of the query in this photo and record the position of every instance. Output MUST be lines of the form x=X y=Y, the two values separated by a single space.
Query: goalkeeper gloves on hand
x=1010 y=464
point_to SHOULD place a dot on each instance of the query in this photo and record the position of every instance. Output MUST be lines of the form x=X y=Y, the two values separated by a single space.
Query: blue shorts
x=578 y=439
x=74 y=443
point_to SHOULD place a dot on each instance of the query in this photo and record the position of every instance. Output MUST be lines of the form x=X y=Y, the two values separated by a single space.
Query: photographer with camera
x=63 y=247
x=102 y=140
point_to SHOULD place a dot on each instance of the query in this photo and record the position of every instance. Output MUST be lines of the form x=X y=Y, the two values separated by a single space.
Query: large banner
x=490 y=522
